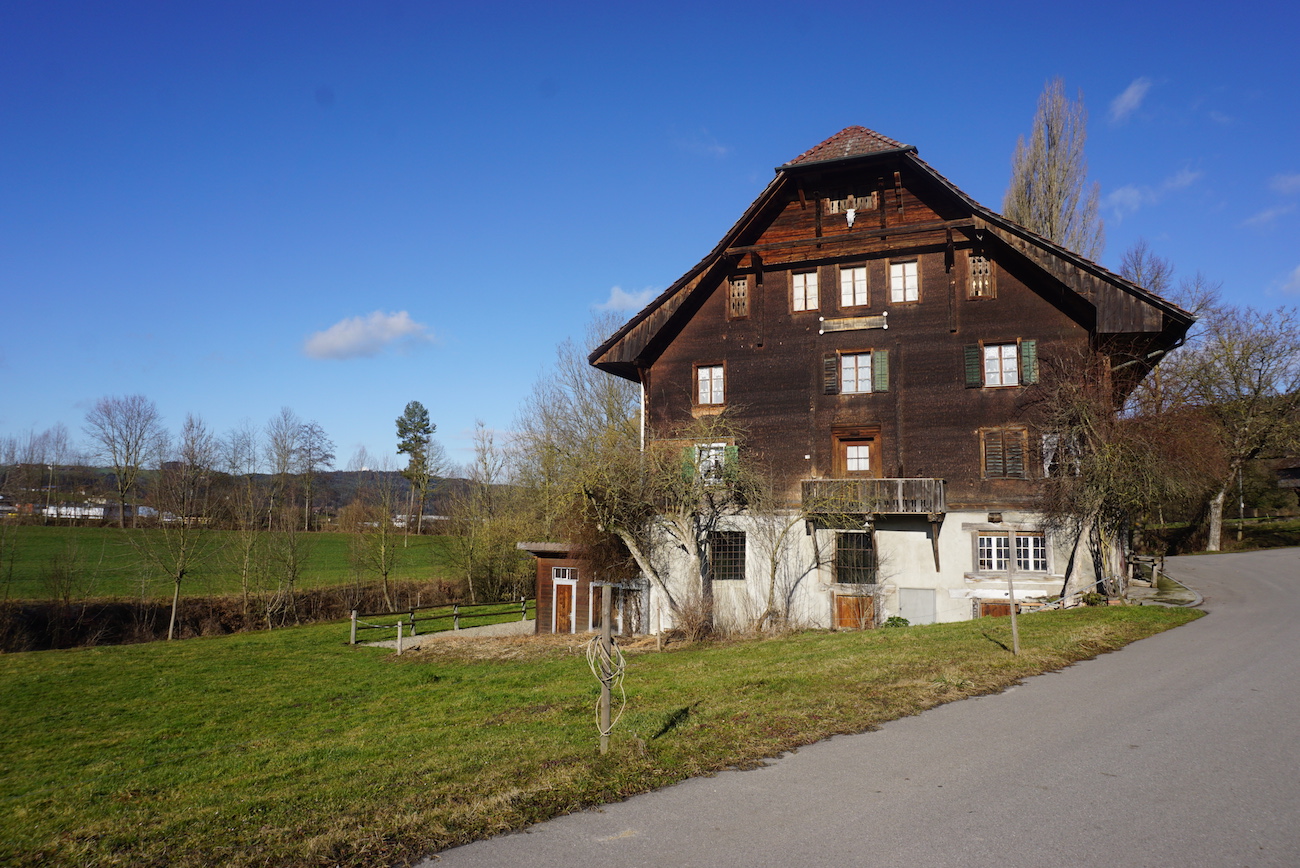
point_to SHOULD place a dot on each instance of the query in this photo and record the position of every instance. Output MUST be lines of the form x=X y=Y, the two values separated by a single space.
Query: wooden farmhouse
x=877 y=335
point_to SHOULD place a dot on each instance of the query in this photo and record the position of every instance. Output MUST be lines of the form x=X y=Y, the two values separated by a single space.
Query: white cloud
x=364 y=336
x=1285 y=184
x=702 y=143
x=1128 y=102
x=1293 y=281
x=1268 y=215
x=1128 y=199
x=621 y=299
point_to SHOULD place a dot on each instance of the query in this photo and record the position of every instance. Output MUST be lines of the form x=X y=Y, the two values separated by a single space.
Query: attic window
x=738 y=298
x=981 y=278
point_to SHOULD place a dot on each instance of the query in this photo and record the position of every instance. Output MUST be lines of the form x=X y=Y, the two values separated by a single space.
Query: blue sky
x=341 y=207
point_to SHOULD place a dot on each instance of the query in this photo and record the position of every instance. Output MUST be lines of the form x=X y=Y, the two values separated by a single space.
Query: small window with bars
x=855 y=558
x=738 y=298
x=727 y=555
x=981 y=278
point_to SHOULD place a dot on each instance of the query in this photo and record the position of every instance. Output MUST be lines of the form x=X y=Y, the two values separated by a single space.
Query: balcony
x=874 y=497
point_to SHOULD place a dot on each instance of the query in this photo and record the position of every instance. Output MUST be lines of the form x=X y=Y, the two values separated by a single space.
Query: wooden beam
x=916 y=229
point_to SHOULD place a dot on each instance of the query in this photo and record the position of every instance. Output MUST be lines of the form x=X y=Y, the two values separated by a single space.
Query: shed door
x=854 y=613
x=564 y=581
x=916 y=605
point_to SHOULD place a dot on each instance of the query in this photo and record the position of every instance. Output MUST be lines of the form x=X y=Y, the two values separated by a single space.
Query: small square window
x=904 y=282
x=709 y=384
x=711 y=461
x=804 y=290
x=853 y=286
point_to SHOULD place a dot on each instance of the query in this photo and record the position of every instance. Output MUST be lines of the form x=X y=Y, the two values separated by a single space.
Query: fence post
x=399 y=636
x=455 y=616
x=523 y=608
x=352 y=639
x=412 y=620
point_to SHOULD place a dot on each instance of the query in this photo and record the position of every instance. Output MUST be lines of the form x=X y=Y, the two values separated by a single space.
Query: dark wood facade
x=942 y=280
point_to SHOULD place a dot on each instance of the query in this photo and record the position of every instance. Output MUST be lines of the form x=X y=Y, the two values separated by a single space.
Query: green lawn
x=290 y=748
x=114 y=568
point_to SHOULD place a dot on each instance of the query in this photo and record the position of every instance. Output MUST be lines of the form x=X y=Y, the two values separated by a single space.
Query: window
x=1012 y=363
x=855 y=558
x=842 y=203
x=857 y=452
x=738 y=298
x=851 y=373
x=855 y=373
x=1031 y=553
x=980 y=283
x=853 y=286
x=804 y=290
x=710 y=460
x=708 y=379
x=994 y=551
x=727 y=555
x=1002 y=453
x=904 y=282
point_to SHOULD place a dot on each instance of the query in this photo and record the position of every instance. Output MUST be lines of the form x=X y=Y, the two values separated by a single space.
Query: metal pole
x=606 y=664
x=399 y=636
x=352 y=640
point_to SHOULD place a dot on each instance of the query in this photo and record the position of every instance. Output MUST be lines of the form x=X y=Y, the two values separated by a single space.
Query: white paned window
x=853 y=286
x=857 y=457
x=710 y=459
x=1031 y=553
x=993 y=552
x=804 y=290
x=855 y=373
x=1001 y=365
x=904 y=282
x=709 y=380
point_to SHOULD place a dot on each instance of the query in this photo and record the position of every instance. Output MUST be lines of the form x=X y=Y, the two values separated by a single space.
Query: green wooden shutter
x=1014 y=453
x=831 y=375
x=688 y=463
x=974 y=367
x=994 y=465
x=880 y=371
x=1029 y=362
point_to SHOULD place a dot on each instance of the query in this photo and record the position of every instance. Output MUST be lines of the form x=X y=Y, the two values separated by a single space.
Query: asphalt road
x=1180 y=750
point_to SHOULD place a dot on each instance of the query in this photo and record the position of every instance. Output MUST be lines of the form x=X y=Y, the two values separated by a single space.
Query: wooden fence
x=410 y=619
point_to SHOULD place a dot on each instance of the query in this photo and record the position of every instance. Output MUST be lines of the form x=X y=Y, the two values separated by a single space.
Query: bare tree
x=1049 y=191
x=180 y=495
x=374 y=546
x=283 y=443
x=315 y=454
x=1245 y=375
x=1142 y=266
x=242 y=450
x=125 y=431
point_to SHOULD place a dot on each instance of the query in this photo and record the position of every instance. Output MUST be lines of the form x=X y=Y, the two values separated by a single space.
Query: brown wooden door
x=563 y=608
x=854 y=613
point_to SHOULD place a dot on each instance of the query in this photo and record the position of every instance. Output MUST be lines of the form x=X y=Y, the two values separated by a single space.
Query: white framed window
x=1031 y=553
x=853 y=286
x=803 y=290
x=1011 y=551
x=855 y=373
x=1001 y=365
x=994 y=551
x=904 y=282
x=709 y=388
x=857 y=457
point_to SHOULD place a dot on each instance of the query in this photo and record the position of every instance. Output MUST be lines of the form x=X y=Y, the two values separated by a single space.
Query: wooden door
x=563 y=608
x=854 y=613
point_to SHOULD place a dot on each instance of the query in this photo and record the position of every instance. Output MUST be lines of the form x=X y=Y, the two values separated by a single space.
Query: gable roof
x=1120 y=303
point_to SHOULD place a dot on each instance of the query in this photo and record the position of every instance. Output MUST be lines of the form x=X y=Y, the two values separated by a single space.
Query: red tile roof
x=848 y=142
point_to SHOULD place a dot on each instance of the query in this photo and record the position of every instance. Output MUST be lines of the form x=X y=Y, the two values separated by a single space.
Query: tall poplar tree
x=1049 y=191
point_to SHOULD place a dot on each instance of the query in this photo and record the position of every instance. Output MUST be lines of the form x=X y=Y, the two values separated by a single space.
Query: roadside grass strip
x=291 y=748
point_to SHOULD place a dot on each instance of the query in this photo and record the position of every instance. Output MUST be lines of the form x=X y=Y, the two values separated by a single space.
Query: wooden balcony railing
x=874 y=496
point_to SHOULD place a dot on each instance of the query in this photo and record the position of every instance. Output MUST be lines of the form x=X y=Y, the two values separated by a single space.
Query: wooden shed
x=569 y=597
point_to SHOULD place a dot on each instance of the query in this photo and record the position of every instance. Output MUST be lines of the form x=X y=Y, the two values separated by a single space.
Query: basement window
x=727 y=555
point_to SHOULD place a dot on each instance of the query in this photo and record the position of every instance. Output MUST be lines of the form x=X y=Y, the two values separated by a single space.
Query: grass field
x=114 y=568
x=290 y=748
